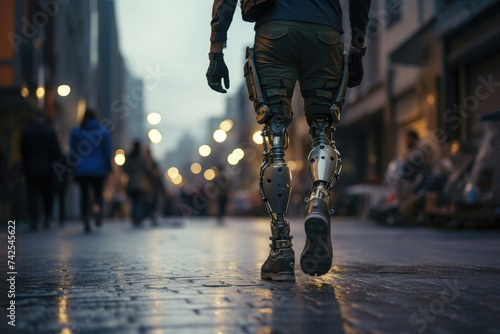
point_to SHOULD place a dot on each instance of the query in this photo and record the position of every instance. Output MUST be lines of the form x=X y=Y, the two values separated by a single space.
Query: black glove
x=355 y=66
x=216 y=71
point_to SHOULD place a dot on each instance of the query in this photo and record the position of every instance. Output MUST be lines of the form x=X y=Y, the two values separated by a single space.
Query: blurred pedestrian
x=222 y=184
x=59 y=185
x=90 y=145
x=39 y=149
x=157 y=190
x=140 y=185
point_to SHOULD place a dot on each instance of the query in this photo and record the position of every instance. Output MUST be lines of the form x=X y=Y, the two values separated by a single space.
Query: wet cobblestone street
x=197 y=276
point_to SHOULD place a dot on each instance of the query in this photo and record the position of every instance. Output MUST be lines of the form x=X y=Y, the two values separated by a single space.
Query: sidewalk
x=201 y=277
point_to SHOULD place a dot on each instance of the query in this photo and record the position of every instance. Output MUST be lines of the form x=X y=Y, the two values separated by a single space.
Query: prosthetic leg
x=275 y=185
x=275 y=180
x=325 y=165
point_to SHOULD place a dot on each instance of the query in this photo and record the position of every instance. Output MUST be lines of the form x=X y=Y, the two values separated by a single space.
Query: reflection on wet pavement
x=205 y=278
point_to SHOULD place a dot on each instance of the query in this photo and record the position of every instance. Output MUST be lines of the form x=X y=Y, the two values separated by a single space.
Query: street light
x=63 y=90
x=236 y=156
x=209 y=174
x=226 y=125
x=25 y=92
x=119 y=157
x=204 y=150
x=177 y=180
x=173 y=172
x=40 y=92
x=154 y=118
x=257 y=138
x=220 y=135
x=238 y=153
x=232 y=159
x=196 y=168
x=155 y=136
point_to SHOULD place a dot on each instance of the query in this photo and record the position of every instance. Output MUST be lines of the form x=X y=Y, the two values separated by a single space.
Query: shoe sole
x=317 y=259
x=280 y=277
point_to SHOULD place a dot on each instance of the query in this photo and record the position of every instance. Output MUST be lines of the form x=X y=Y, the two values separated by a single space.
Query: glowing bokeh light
x=220 y=135
x=238 y=153
x=257 y=138
x=226 y=125
x=154 y=118
x=63 y=90
x=25 y=92
x=172 y=172
x=120 y=159
x=155 y=136
x=40 y=92
x=232 y=159
x=196 y=168
x=204 y=150
x=177 y=180
x=209 y=174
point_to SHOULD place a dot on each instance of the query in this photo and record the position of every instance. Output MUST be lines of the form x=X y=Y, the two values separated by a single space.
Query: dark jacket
x=140 y=173
x=90 y=148
x=315 y=11
x=39 y=149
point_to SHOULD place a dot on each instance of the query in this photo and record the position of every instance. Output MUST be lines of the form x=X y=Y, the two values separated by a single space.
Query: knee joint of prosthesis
x=276 y=180
x=324 y=161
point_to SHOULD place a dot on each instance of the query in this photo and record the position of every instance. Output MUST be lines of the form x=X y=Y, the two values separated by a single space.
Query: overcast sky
x=174 y=36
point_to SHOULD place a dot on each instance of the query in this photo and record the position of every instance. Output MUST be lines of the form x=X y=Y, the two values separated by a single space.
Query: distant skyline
x=172 y=38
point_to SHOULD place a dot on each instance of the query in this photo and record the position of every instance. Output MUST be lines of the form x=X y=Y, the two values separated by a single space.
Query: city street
x=198 y=276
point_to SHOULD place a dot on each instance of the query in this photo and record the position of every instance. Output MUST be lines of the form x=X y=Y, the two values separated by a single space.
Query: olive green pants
x=287 y=51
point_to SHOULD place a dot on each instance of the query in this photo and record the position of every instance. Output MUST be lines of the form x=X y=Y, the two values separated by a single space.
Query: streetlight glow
x=25 y=92
x=173 y=172
x=40 y=92
x=220 y=135
x=155 y=136
x=226 y=125
x=177 y=180
x=63 y=90
x=119 y=158
x=209 y=174
x=232 y=159
x=204 y=150
x=257 y=138
x=154 y=118
x=238 y=153
x=196 y=168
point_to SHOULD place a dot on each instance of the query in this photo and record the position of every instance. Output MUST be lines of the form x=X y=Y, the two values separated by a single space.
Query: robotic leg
x=275 y=178
x=275 y=185
x=325 y=165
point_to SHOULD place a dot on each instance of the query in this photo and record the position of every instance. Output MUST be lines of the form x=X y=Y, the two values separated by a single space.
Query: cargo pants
x=287 y=51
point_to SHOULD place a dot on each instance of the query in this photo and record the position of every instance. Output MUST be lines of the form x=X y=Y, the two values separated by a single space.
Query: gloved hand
x=355 y=66
x=216 y=71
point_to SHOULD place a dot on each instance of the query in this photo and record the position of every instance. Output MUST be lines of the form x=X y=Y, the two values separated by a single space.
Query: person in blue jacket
x=90 y=146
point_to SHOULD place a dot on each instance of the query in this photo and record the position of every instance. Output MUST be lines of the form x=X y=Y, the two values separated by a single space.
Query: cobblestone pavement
x=198 y=276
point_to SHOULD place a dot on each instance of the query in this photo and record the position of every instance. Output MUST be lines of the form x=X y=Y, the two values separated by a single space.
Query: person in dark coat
x=39 y=149
x=90 y=147
x=140 y=182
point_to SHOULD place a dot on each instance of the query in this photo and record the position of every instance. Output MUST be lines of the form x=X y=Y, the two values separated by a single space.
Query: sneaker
x=316 y=258
x=279 y=265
